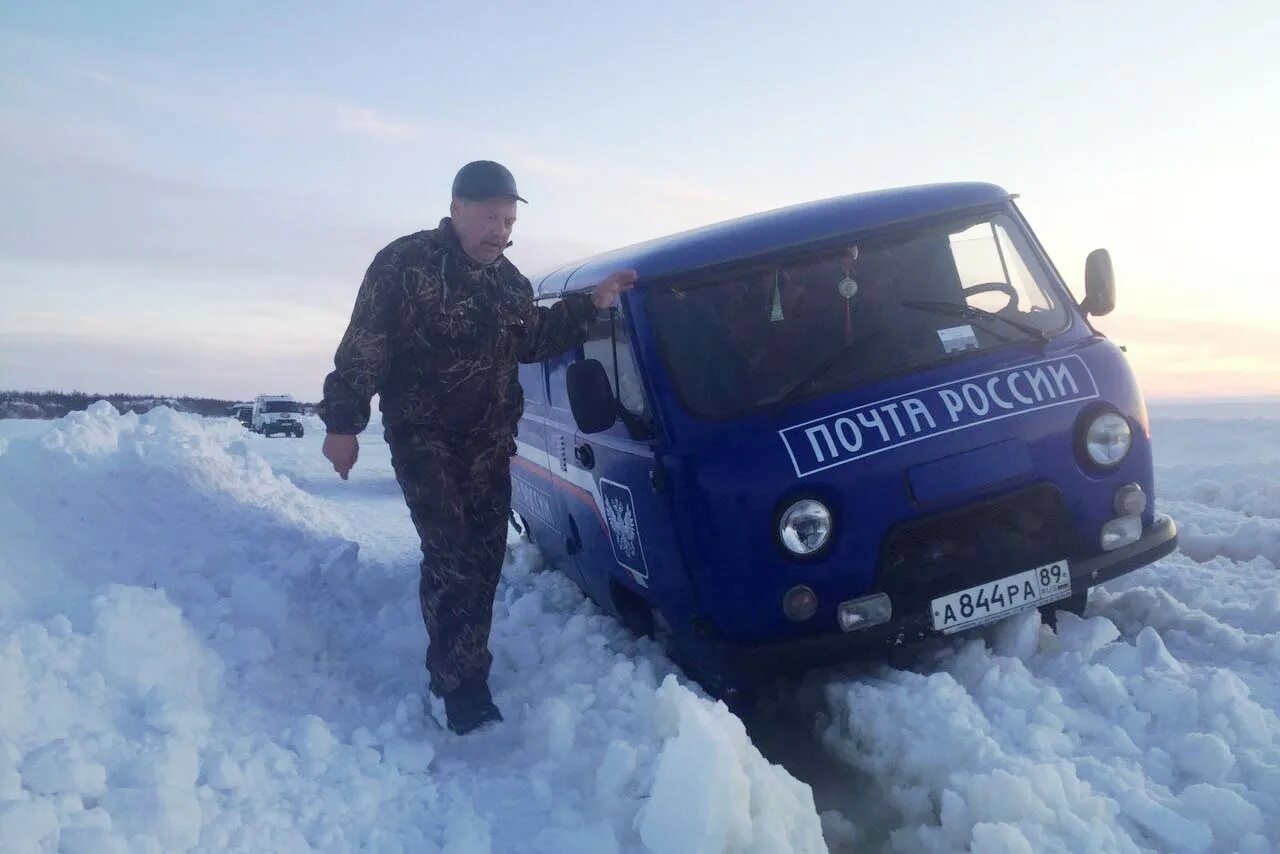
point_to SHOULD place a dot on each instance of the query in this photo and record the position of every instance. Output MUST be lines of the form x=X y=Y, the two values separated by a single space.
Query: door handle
x=584 y=455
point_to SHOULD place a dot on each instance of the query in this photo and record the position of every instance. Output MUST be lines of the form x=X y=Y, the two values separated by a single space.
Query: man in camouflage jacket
x=439 y=324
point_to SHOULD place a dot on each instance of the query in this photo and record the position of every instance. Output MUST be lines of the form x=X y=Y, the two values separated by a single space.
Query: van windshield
x=281 y=406
x=777 y=332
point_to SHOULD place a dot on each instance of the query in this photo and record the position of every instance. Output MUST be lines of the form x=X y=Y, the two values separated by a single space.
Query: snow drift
x=195 y=656
x=208 y=642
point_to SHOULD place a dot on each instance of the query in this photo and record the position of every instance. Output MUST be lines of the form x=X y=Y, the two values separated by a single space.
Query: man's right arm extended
x=359 y=364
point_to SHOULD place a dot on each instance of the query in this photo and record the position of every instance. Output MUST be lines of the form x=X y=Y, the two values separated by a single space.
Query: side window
x=531 y=380
x=609 y=337
x=556 y=367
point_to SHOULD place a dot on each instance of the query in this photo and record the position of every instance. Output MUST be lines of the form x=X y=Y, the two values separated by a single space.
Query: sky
x=193 y=190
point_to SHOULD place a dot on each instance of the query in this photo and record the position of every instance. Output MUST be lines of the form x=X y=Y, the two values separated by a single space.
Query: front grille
x=936 y=555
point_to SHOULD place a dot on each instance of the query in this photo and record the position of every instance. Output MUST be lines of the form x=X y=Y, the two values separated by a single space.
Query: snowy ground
x=209 y=642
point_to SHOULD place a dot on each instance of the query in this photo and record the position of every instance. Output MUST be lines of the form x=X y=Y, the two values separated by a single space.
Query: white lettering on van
x=872 y=419
x=812 y=433
x=954 y=404
x=981 y=406
x=1061 y=372
x=1037 y=379
x=892 y=409
x=915 y=408
x=1013 y=389
x=991 y=393
x=849 y=434
x=842 y=437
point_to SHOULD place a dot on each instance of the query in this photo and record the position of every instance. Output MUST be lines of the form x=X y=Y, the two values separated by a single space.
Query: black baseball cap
x=484 y=179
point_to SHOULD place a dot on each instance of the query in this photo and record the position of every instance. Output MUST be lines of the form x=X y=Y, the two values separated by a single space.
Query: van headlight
x=1108 y=439
x=805 y=527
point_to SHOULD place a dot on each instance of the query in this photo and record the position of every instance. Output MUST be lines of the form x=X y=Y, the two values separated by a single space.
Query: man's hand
x=342 y=452
x=606 y=293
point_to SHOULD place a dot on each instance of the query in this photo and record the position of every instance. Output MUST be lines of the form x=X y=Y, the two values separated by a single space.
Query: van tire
x=633 y=610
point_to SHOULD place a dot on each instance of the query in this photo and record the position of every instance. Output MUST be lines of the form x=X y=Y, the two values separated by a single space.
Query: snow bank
x=208 y=642
x=1092 y=742
x=196 y=655
x=1154 y=724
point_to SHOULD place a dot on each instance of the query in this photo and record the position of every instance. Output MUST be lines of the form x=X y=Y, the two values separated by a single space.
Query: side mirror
x=591 y=396
x=1099 y=284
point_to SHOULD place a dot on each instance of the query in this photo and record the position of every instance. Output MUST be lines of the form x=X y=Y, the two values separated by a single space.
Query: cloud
x=371 y=123
x=629 y=201
x=74 y=203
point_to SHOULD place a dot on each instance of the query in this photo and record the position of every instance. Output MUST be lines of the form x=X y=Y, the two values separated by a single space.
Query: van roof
x=769 y=232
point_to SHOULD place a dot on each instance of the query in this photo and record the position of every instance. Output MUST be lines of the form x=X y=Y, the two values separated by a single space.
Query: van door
x=631 y=539
x=573 y=501
x=532 y=487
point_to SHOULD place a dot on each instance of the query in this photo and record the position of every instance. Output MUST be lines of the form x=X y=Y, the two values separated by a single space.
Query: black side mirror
x=590 y=396
x=1099 y=284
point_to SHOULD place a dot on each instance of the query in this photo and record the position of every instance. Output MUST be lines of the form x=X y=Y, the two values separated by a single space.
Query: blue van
x=811 y=433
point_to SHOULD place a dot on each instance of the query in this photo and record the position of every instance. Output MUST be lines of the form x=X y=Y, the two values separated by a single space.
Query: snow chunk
x=999 y=839
x=144 y=643
x=1227 y=813
x=713 y=791
x=1155 y=655
x=169 y=813
x=1085 y=637
x=615 y=770
x=59 y=767
x=313 y=741
x=223 y=773
x=557 y=723
x=176 y=717
x=1174 y=832
x=598 y=838
x=467 y=833
x=29 y=826
x=91 y=840
x=411 y=757
x=1019 y=636
x=1204 y=756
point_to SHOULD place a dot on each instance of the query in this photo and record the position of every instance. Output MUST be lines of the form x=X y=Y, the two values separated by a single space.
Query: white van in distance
x=277 y=413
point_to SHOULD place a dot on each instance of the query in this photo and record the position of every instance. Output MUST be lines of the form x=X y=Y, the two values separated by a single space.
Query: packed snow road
x=209 y=642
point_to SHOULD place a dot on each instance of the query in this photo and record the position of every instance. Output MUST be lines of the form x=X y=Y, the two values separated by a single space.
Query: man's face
x=484 y=227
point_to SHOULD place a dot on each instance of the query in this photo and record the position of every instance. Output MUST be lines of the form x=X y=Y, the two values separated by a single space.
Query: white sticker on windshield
x=957 y=339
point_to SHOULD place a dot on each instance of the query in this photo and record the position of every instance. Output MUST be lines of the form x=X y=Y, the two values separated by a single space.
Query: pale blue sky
x=194 y=190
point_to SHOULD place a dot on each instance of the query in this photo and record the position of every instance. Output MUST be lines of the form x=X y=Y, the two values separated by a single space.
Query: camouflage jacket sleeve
x=361 y=359
x=554 y=329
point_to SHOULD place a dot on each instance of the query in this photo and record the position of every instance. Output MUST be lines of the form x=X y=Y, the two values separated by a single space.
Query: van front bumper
x=751 y=661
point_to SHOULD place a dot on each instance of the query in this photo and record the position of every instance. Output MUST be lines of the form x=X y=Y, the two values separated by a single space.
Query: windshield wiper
x=969 y=312
x=788 y=394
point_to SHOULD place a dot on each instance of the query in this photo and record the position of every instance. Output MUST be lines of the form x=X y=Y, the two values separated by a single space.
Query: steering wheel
x=992 y=287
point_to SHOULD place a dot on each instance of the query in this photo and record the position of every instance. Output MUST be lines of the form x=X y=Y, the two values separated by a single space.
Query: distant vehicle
x=821 y=432
x=277 y=413
x=242 y=412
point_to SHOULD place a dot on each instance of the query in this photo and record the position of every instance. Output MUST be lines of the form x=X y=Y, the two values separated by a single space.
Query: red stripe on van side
x=562 y=484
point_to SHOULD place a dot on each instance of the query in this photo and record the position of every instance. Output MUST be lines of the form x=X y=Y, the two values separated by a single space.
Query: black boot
x=468 y=707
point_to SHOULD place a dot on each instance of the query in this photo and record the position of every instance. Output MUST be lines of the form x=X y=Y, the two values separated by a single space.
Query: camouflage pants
x=459 y=498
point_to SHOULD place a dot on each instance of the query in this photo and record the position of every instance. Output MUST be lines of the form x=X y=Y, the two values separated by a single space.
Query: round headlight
x=1108 y=439
x=805 y=527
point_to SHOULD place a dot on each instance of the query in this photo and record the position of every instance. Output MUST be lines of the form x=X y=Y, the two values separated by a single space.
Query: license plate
x=994 y=600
